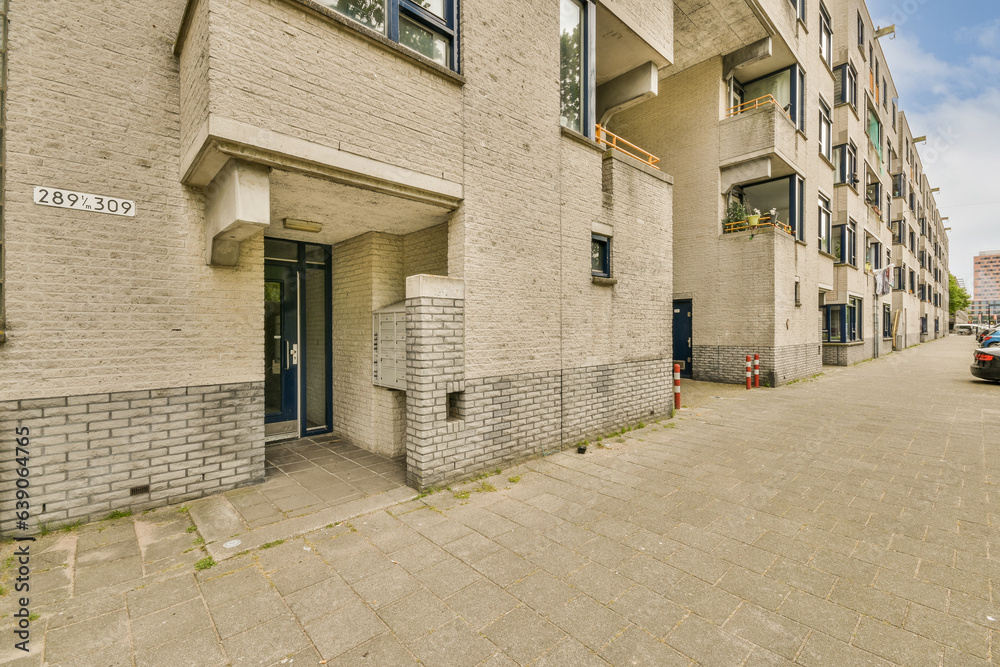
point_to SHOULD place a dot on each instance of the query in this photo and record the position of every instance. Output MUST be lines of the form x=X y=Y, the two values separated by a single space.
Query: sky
x=945 y=61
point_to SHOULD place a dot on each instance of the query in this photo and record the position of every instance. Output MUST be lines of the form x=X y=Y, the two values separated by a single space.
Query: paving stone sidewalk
x=846 y=520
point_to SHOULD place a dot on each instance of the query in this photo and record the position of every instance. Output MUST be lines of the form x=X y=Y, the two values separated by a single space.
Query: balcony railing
x=753 y=104
x=622 y=145
x=764 y=221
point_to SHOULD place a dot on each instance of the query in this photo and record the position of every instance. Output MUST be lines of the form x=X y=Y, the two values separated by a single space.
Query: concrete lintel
x=745 y=55
x=221 y=139
x=601 y=228
x=436 y=287
x=627 y=90
x=238 y=206
x=752 y=170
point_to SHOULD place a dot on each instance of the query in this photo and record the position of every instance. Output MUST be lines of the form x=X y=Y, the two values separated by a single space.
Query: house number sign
x=83 y=201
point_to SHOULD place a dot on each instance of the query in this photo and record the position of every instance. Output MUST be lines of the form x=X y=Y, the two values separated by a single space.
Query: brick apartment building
x=227 y=222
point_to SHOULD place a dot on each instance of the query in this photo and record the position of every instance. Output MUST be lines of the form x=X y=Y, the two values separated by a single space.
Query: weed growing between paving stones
x=70 y=527
x=204 y=563
x=117 y=514
x=191 y=529
x=515 y=479
x=485 y=487
x=183 y=509
x=198 y=541
x=43 y=529
x=272 y=544
x=462 y=495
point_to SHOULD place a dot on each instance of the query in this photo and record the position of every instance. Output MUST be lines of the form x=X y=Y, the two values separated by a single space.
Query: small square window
x=600 y=256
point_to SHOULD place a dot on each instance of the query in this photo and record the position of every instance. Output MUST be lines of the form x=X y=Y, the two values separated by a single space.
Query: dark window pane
x=423 y=41
x=370 y=13
x=278 y=249
x=571 y=70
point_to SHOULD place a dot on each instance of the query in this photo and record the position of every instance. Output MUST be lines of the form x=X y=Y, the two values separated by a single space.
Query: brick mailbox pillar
x=435 y=369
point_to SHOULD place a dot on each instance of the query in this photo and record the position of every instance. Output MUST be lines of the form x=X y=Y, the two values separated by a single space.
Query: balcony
x=774 y=204
x=757 y=140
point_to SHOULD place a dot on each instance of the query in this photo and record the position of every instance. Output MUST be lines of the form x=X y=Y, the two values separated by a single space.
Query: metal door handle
x=291 y=354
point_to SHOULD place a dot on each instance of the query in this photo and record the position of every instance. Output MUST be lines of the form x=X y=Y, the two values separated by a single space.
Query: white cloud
x=986 y=35
x=957 y=105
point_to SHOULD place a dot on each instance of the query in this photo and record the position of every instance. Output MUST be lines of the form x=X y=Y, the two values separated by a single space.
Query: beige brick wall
x=278 y=66
x=98 y=302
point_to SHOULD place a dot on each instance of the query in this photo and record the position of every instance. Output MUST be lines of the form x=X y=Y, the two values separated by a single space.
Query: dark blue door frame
x=295 y=266
x=683 y=347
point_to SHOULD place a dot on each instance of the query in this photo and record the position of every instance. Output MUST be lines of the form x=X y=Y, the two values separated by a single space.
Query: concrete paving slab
x=822 y=523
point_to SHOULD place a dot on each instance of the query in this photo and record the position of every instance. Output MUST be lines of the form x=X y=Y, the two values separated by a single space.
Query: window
x=799 y=95
x=873 y=189
x=574 y=66
x=899 y=186
x=845 y=85
x=875 y=130
x=873 y=258
x=785 y=195
x=832 y=323
x=825 y=131
x=600 y=256
x=886 y=321
x=824 y=224
x=429 y=27
x=898 y=278
x=861 y=30
x=845 y=241
x=913 y=282
x=913 y=241
x=825 y=36
x=786 y=86
x=800 y=8
x=852 y=323
x=845 y=159
x=885 y=94
x=842 y=322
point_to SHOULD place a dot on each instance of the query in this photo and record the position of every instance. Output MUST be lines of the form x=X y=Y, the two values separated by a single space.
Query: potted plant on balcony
x=754 y=219
x=736 y=212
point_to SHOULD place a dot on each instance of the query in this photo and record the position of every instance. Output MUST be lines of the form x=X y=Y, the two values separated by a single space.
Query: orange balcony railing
x=627 y=147
x=751 y=105
x=764 y=221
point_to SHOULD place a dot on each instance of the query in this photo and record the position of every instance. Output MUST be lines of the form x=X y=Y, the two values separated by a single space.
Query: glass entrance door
x=297 y=340
x=281 y=350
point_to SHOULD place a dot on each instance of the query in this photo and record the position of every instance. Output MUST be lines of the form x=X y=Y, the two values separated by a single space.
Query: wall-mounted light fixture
x=302 y=225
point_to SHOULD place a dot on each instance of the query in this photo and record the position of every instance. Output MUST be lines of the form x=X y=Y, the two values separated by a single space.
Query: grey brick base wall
x=88 y=452
x=511 y=417
x=841 y=354
x=778 y=365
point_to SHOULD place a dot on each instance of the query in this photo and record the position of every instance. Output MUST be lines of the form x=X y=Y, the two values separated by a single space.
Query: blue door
x=281 y=347
x=682 y=336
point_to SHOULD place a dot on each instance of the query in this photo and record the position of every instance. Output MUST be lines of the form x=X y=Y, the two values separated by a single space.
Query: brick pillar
x=435 y=368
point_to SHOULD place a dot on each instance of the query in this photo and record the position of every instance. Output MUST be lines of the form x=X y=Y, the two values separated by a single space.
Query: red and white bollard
x=756 y=371
x=677 y=386
x=748 y=371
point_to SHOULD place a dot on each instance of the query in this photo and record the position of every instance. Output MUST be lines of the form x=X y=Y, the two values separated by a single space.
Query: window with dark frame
x=825 y=131
x=600 y=256
x=886 y=321
x=861 y=30
x=825 y=217
x=428 y=27
x=575 y=66
x=845 y=161
x=825 y=36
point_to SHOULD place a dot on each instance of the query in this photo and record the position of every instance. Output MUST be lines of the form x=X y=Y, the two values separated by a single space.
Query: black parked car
x=986 y=364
